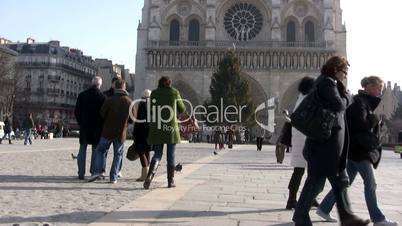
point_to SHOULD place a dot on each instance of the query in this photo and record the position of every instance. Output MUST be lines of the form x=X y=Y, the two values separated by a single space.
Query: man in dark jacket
x=115 y=112
x=87 y=113
x=7 y=130
x=28 y=125
x=110 y=91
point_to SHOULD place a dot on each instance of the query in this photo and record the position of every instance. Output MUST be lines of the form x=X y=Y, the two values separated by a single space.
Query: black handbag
x=132 y=154
x=312 y=119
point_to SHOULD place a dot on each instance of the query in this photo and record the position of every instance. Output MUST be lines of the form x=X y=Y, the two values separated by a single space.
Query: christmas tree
x=230 y=91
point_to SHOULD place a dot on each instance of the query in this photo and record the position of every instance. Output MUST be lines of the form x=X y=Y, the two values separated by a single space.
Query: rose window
x=243 y=21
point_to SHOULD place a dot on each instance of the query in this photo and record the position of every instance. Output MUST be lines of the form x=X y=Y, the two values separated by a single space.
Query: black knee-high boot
x=151 y=173
x=293 y=187
x=170 y=176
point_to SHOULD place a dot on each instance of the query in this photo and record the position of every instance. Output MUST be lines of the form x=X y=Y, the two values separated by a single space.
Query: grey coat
x=329 y=157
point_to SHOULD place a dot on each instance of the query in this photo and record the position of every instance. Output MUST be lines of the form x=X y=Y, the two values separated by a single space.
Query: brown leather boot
x=170 y=176
x=151 y=173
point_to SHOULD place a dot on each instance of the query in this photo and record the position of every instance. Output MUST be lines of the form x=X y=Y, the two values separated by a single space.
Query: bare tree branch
x=7 y=83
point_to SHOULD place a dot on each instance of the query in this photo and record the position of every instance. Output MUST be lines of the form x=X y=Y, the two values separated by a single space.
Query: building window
x=291 y=31
x=28 y=82
x=28 y=85
x=243 y=21
x=174 y=32
x=41 y=83
x=194 y=31
x=309 y=32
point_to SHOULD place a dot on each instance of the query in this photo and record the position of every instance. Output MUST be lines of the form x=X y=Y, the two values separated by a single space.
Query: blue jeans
x=100 y=160
x=365 y=169
x=171 y=149
x=104 y=164
x=313 y=185
x=27 y=136
x=81 y=159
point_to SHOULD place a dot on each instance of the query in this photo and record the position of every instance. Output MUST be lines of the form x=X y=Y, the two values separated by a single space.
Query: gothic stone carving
x=184 y=8
x=300 y=9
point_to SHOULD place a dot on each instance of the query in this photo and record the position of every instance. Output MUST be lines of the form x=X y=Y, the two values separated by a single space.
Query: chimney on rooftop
x=30 y=40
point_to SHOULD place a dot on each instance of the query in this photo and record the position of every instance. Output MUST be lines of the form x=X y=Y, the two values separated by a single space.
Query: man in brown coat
x=115 y=113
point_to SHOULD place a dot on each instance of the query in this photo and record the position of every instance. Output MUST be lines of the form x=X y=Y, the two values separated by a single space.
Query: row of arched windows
x=193 y=31
x=309 y=31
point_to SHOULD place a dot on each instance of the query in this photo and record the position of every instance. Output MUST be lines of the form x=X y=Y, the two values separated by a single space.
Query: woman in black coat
x=327 y=159
x=363 y=155
x=140 y=134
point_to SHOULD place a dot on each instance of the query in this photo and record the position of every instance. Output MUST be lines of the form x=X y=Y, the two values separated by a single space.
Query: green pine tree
x=229 y=87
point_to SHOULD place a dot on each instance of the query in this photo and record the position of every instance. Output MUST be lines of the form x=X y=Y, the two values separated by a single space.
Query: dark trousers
x=294 y=182
x=9 y=136
x=312 y=187
x=259 y=143
x=280 y=152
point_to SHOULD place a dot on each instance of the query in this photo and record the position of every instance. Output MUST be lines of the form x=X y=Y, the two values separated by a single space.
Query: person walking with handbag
x=115 y=114
x=284 y=140
x=298 y=139
x=326 y=159
x=365 y=149
x=166 y=104
x=87 y=113
x=140 y=134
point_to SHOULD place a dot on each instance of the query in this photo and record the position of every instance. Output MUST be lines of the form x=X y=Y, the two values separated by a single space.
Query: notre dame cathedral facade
x=278 y=42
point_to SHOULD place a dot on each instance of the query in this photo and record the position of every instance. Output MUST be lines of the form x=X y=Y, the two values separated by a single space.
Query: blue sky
x=100 y=28
x=108 y=29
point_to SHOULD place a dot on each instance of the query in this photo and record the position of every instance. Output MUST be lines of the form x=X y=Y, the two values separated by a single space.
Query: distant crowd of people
x=30 y=130
x=27 y=126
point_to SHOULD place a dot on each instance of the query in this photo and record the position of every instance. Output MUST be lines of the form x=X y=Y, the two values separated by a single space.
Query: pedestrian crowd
x=103 y=120
x=28 y=129
x=351 y=147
